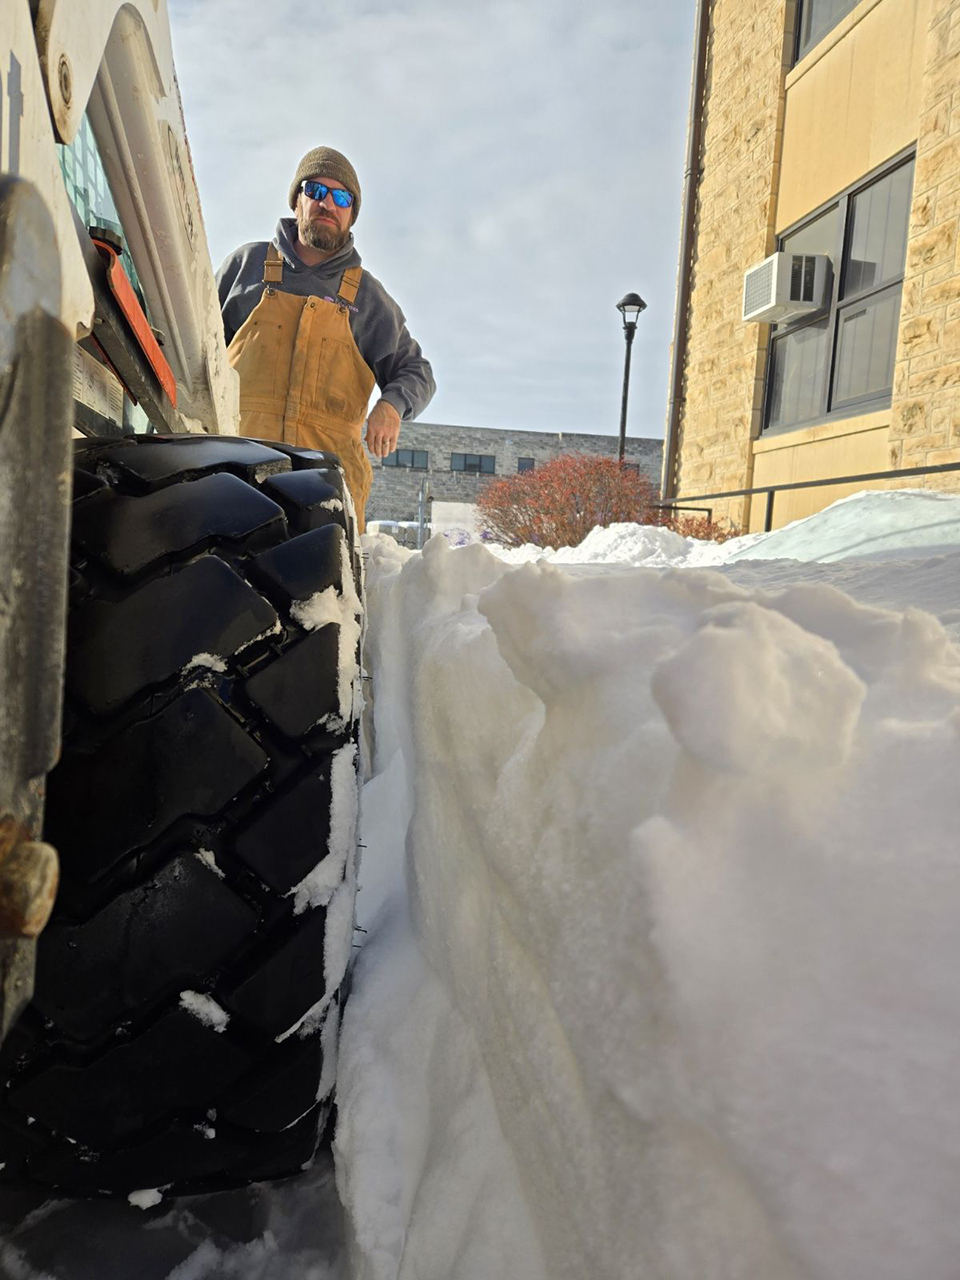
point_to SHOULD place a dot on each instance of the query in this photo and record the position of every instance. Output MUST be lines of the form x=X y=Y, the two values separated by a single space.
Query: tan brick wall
x=742 y=156
x=925 y=425
x=742 y=132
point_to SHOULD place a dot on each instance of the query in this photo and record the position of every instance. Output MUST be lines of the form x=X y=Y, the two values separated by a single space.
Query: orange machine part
x=129 y=303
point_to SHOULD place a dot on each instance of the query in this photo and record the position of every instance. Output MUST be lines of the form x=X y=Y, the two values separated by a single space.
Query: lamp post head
x=630 y=308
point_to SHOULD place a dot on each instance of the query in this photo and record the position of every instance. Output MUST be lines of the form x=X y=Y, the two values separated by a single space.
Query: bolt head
x=65 y=79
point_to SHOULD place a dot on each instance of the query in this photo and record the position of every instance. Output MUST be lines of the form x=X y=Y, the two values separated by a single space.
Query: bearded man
x=311 y=333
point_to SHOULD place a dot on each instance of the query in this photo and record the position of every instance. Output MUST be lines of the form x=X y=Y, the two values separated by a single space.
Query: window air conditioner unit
x=786 y=286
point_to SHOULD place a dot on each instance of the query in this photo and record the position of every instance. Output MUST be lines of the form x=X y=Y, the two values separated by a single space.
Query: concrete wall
x=885 y=78
x=396 y=489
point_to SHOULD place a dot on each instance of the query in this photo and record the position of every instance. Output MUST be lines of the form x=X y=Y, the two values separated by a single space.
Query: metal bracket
x=124 y=337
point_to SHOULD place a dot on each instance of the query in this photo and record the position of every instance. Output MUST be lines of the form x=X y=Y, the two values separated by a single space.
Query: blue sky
x=521 y=164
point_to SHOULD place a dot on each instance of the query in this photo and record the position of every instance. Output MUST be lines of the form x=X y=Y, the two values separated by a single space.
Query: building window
x=524 y=464
x=841 y=362
x=475 y=463
x=816 y=18
x=416 y=459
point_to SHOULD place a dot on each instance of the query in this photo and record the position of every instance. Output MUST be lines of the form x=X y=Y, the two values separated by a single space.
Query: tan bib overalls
x=302 y=378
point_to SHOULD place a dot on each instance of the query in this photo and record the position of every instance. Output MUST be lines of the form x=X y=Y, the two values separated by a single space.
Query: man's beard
x=326 y=236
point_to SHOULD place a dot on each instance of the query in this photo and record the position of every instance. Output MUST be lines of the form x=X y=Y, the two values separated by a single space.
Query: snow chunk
x=210 y=661
x=341 y=909
x=209 y=861
x=329 y=1045
x=751 y=691
x=319 y=610
x=343 y=610
x=344 y=800
x=340 y=898
x=274 y=630
x=205 y=1008
x=308 y=1022
x=319 y=885
x=145 y=1199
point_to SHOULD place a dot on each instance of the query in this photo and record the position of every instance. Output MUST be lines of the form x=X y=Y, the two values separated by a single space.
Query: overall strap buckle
x=272 y=266
x=349 y=284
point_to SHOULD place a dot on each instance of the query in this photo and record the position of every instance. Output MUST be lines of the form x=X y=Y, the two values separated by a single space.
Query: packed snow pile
x=660 y=884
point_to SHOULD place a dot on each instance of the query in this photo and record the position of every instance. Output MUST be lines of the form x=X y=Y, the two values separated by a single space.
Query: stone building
x=458 y=460
x=819 y=127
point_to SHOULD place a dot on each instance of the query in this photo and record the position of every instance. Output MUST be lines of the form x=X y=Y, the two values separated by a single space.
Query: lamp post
x=630 y=308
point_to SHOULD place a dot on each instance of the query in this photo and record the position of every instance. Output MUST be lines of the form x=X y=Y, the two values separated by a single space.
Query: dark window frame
x=479 y=469
x=800 y=47
x=531 y=465
x=412 y=465
x=829 y=412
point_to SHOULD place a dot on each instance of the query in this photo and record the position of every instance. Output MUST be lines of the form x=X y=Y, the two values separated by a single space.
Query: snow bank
x=869 y=525
x=629 y=544
x=675 y=993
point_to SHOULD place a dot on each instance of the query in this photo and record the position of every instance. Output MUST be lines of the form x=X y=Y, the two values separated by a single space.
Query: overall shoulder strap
x=272 y=266
x=349 y=284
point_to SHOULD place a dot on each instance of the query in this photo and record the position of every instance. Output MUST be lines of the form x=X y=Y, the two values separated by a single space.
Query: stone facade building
x=458 y=460
x=820 y=127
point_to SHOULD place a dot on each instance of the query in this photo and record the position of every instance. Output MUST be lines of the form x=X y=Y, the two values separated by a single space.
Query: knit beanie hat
x=324 y=162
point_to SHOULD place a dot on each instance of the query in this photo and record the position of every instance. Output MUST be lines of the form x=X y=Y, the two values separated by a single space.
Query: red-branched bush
x=557 y=505
x=701 y=527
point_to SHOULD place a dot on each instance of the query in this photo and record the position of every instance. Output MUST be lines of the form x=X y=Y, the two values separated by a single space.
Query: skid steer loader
x=180 y=625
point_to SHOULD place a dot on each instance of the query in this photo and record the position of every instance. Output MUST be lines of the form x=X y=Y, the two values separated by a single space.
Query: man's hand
x=383 y=429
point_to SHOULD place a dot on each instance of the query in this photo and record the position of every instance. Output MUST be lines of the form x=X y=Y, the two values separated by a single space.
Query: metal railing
x=771 y=490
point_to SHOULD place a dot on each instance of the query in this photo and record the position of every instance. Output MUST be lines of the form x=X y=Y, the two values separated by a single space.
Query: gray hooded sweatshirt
x=403 y=375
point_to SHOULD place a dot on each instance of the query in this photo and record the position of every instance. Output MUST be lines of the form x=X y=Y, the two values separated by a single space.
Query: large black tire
x=183 y=1031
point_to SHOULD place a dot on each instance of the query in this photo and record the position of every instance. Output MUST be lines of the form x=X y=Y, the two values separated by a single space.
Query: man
x=310 y=333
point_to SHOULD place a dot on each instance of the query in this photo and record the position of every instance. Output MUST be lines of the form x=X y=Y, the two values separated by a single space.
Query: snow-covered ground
x=660 y=886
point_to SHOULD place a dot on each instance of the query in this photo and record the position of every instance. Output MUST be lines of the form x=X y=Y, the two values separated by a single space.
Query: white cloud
x=521 y=164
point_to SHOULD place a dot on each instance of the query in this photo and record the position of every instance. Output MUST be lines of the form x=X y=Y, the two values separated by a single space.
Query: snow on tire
x=184 y=1027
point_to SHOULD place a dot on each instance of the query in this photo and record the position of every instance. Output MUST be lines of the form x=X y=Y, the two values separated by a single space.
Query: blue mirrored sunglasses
x=319 y=191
